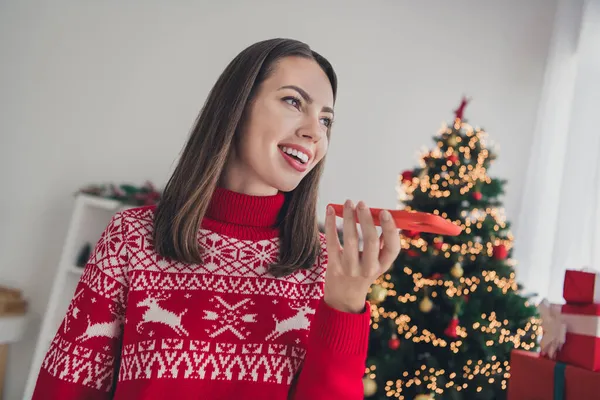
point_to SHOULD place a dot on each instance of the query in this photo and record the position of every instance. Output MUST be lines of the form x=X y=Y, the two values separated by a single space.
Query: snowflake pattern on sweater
x=227 y=320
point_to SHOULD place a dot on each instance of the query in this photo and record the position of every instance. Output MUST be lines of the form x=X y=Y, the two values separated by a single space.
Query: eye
x=293 y=101
x=327 y=122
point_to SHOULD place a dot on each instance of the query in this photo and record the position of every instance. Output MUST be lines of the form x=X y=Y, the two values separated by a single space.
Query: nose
x=311 y=130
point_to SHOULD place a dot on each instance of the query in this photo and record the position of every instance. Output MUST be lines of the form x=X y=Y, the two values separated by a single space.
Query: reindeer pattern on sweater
x=226 y=319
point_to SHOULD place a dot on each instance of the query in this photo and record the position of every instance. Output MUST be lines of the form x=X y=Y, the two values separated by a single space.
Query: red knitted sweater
x=141 y=326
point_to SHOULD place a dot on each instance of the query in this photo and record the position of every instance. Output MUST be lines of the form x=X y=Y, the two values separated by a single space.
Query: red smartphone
x=412 y=221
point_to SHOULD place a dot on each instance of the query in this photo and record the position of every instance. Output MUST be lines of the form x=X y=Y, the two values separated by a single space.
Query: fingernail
x=385 y=215
x=361 y=205
x=349 y=204
x=330 y=210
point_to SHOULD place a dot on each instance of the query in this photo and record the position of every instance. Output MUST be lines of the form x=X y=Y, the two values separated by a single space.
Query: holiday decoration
x=452 y=302
x=412 y=253
x=407 y=176
x=581 y=345
x=459 y=112
x=378 y=294
x=369 y=387
x=554 y=328
x=457 y=270
x=452 y=158
x=452 y=141
x=424 y=397
x=581 y=286
x=411 y=234
x=500 y=252
x=451 y=331
x=125 y=193
x=533 y=376
x=394 y=342
x=426 y=304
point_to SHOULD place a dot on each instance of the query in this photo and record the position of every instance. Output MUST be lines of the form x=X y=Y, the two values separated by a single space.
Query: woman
x=226 y=289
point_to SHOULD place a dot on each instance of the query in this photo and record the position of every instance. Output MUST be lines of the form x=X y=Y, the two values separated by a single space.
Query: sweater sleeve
x=80 y=362
x=335 y=357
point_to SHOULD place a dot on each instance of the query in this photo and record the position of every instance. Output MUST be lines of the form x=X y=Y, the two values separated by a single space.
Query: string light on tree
x=443 y=302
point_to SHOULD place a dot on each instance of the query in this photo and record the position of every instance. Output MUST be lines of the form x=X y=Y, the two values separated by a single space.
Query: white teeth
x=293 y=152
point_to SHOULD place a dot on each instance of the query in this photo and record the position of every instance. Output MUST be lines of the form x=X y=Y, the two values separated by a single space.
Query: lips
x=293 y=161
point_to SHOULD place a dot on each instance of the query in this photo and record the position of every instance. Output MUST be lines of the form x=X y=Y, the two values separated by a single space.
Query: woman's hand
x=350 y=272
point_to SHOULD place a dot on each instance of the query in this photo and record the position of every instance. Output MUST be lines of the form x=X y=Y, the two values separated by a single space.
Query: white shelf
x=99 y=202
x=12 y=328
x=91 y=215
x=75 y=270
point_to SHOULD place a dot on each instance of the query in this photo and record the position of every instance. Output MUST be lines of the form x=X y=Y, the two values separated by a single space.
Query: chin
x=285 y=183
x=287 y=186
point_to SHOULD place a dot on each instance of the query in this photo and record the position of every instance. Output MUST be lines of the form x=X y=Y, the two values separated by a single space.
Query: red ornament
x=477 y=195
x=412 y=253
x=499 y=252
x=407 y=176
x=461 y=109
x=451 y=330
x=466 y=297
x=410 y=234
x=394 y=343
x=438 y=245
x=436 y=276
x=452 y=158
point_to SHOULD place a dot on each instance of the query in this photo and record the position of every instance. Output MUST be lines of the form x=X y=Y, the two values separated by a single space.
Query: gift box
x=581 y=287
x=581 y=346
x=533 y=377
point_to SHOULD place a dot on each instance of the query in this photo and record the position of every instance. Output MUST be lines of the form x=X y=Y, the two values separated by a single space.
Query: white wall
x=106 y=91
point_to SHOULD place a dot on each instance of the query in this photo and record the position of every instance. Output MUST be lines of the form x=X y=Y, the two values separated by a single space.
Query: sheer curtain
x=559 y=223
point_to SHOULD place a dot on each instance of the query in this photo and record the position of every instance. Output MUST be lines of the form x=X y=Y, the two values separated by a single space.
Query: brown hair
x=189 y=190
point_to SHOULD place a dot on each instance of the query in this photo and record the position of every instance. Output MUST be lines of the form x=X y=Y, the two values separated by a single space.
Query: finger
x=350 y=232
x=331 y=236
x=369 y=233
x=391 y=240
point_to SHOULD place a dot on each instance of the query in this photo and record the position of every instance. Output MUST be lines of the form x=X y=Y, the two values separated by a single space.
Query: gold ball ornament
x=369 y=386
x=426 y=305
x=378 y=293
x=424 y=397
x=452 y=141
x=457 y=270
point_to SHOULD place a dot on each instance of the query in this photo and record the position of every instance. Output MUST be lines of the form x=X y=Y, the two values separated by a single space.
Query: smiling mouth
x=298 y=155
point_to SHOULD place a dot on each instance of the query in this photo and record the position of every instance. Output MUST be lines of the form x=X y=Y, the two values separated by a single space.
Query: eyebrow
x=306 y=96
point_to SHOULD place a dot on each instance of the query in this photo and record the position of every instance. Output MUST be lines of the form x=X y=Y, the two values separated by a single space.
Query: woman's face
x=286 y=130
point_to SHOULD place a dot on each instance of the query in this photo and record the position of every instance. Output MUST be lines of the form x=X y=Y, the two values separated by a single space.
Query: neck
x=236 y=178
x=242 y=215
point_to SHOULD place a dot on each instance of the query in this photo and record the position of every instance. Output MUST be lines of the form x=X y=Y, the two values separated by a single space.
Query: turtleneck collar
x=243 y=216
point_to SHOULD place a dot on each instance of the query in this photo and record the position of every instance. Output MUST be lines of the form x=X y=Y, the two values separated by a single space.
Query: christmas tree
x=449 y=311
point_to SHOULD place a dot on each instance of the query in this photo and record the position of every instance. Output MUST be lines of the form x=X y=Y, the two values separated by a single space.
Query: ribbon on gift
x=554 y=329
x=559 y=381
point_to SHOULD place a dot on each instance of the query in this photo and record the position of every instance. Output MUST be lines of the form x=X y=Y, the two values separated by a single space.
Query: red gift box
x=533 y=377
x=581 y=287
x=582 y=342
